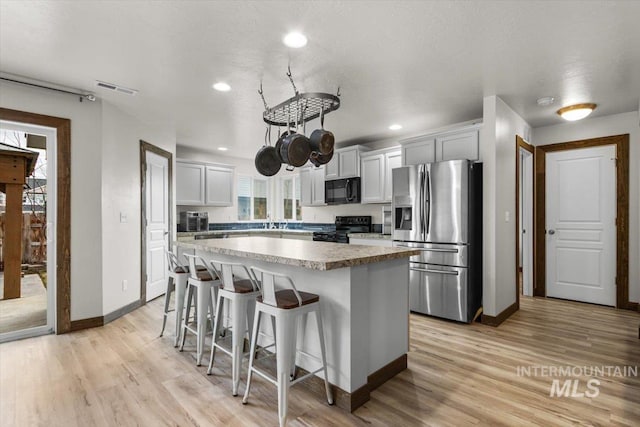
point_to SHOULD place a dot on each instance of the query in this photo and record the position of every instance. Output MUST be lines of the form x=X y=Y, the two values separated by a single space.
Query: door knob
x=552 y=232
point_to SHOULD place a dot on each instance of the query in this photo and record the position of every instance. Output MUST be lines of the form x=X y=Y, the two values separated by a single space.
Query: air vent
x=116 y=88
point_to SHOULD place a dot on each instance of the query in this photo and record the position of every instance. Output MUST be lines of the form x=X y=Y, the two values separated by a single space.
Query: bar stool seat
x=286 y=299
x=286 y=306
x=241 y=294
x=204 y=284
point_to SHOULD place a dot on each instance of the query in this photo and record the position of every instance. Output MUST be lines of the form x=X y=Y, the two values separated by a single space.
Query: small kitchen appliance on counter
x=194 y=221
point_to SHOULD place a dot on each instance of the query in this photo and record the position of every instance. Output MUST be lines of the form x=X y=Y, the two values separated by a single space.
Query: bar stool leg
x=203 y=305
x=181 y=287
x=239 y=320
x=324 y=356
x=186 y=317
x=252 y=353
x=284 y=332
x=216 y=328
x=167 y=297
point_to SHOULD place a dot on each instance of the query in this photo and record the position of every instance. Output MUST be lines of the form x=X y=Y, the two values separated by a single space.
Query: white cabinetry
x=376 y=173
x=455 y=144
x=345 y=163
x=312 y=186
x=189 y=184
x=219 y=186
x=202 y=184
x=419 y=151
x=392 y=160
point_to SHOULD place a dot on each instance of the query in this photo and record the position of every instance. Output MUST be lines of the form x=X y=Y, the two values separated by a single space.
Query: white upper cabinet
x=189 y=184
x=457 y=146
x=372 y=179
x=454 y=144
x=331 y=168
x=312 y=186
x=392 y=160
x=317 y=178
x=202 y=184
x=219 y=186
x=375 y=169
x=419 y=151
x=345 y=163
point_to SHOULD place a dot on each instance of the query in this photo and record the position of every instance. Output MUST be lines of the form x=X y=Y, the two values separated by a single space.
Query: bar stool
x=205 y=285
x=286 y=306
x=241 y=294
x=177 y=281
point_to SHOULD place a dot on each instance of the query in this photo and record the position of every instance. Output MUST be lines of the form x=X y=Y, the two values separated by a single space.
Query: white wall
x=626 y=123
x=121 y=135
x=86 y=213
x=498 y=153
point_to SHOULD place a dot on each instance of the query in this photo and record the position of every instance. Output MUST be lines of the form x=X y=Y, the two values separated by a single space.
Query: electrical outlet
x=125 y=285
x=123 y=217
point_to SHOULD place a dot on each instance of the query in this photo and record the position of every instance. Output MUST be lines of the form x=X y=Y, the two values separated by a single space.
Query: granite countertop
x=300 y=253
x=370 y=236
x=247 y=231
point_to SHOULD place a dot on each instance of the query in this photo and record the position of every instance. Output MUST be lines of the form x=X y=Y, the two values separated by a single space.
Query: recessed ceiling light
x=222 y=148
x=295 y=40
x=576 y=112
x=222 y=87
x=395 y=127
x=545 y=101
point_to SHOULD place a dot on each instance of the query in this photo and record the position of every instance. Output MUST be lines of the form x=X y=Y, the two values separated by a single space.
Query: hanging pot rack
x=300 y=108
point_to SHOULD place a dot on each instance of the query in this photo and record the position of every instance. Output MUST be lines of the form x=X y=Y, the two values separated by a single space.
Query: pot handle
x=290 y=168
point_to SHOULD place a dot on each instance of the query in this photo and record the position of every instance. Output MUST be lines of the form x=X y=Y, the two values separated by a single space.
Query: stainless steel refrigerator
x=437 y=208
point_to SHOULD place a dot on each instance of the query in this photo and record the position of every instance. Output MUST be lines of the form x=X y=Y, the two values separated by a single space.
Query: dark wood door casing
x=621 y=143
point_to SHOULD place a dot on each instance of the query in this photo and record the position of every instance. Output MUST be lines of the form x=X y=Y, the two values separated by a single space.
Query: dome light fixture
x=576 y=112
x=222 y=87
x=295 y=40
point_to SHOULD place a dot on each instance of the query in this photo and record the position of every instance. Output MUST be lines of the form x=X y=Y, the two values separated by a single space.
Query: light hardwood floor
x=123 y=374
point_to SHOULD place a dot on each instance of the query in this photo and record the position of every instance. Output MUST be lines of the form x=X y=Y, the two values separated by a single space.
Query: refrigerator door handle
x=428 y=185
x=422 y=201
x=429 y=270
x=449 y=251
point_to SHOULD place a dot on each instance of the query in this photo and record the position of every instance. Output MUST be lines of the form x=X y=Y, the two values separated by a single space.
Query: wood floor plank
x=458 y=375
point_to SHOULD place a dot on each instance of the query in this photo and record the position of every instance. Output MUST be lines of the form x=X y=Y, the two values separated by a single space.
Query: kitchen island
x=364 y=297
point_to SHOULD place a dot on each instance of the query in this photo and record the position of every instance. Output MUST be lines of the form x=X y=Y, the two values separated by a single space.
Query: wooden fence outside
x=34 y=238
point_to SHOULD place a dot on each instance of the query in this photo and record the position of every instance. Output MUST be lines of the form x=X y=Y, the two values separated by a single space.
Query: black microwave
x=342 y=191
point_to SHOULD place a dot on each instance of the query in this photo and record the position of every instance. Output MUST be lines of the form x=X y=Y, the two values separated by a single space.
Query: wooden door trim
x=621 y=142
x=144 y=147
x=63 y=207
x=521 y=143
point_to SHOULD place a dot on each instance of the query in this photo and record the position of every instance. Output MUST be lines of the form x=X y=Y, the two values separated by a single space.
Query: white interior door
x=157 y=217
x=581 y=231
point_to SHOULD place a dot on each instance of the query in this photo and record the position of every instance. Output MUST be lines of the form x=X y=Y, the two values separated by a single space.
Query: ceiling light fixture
x=576 y=112
x=295 y=40
x=222 y=87
x=545 y=101
x=395 y=127
x=222 y=148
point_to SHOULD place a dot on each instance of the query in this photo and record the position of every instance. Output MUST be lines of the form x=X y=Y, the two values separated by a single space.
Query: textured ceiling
x=421 y=64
